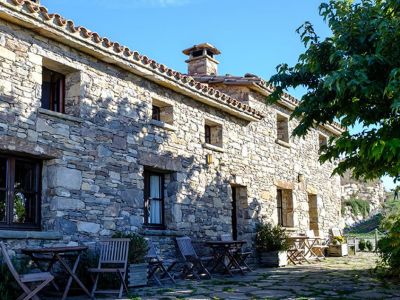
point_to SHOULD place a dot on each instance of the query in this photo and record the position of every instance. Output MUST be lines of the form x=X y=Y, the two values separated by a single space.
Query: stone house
x=96 y=138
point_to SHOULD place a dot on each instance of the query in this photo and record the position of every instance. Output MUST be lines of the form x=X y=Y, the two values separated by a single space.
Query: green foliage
x=358 y=207
x=389 y=245
x=369 y=245
x=9 y=288
x=352 y=76
x=271 y=238
x=338 y=240
x=362 y=245
x=137 y=248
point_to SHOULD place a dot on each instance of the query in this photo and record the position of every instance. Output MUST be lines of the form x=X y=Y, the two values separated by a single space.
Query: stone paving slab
x=334 y=278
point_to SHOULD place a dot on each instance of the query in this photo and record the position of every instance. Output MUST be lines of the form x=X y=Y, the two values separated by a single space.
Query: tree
x=352 y=77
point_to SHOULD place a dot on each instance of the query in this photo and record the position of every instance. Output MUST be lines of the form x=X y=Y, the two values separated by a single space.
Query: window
x=213 y=133
x=156 y=114
x=285 y=208
x=19 y=193
x=154 y=199
x=53 y=91
x=207 y=130
x=282 y=128
x=162 y=111
x=323 y=142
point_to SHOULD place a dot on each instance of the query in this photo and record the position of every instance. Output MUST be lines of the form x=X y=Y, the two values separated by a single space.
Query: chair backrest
x=185 y=247
x=226 y=237
x=310 y=233
x=9 y=264
x=114 y=251
x=152 y=252
x=336 y=232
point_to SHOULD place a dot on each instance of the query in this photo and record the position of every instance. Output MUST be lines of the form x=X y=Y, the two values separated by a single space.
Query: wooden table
x=306 y=243
x=57 y=254
x=224 y=253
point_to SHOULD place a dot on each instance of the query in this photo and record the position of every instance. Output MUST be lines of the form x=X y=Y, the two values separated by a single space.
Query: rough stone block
x=88 y=227
x=61 y=203
x=64 y=177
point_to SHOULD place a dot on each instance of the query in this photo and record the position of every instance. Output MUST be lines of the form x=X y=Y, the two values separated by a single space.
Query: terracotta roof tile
x=41 y=13
x=250 y=79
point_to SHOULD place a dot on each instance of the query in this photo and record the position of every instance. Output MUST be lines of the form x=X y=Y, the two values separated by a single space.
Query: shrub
x=338 y=240
x=358 y=207
x=271 y=238
x=362 y=245
x=389 y=245
x=369 y=246
x=137 y=247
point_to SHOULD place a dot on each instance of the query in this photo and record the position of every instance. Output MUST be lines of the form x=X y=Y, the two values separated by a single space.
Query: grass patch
x=228 y=289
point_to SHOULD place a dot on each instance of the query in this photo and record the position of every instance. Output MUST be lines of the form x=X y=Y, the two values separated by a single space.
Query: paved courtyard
x=334 y=278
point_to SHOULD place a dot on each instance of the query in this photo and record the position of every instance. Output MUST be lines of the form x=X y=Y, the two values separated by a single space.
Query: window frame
x=61 y=90
x=279 y=206
x=155 y=113
x=279 y=119
x=147 y=174
x=207 y=134
x=10 y=189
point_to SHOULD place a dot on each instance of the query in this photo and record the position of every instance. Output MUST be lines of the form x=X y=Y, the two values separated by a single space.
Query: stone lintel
x=311 y=190
x=284 y=184
x=11 y=144
x=162 y=162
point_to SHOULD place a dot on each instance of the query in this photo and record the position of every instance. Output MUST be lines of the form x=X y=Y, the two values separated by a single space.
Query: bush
x=389 y=245
x=338 y=240
x=137 y=247
x=369 y=246
x=271 y=238
x=362 y=245
x=358 y=207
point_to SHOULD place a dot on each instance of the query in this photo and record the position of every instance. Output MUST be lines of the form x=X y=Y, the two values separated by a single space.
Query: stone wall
x=372 y=191
x=94 y=157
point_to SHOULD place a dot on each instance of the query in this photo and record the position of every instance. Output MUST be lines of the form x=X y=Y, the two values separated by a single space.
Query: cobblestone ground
x=334 y=278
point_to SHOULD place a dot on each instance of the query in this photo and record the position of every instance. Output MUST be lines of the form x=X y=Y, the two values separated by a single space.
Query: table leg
x=72 y=276
x=233 y=262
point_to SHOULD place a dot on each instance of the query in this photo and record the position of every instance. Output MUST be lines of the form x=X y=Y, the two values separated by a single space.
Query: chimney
x=201 y=59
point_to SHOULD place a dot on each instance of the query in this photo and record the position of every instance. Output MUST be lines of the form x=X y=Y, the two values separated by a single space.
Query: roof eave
x=14 y=15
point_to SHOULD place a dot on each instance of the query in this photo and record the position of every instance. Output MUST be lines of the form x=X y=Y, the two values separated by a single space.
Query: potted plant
x=271 y=245
x=137 y=268
x=338 y=247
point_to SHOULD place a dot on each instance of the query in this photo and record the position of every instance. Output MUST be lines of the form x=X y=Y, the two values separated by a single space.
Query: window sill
x=37 y=235
x=290 y=229
x=163 y=125
x=213 y=147
x=159 y=232
x=283 y=143
x=58 y=115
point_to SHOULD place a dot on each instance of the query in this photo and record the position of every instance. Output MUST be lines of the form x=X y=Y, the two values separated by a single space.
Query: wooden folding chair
x=44 y=278
x=296 y=253
x=156 y=265
x=193 y=264
x=241 y=256
x=319 y=247
x=113 y=259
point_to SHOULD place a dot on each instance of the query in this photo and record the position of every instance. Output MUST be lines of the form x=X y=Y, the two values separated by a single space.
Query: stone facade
x=94 y=156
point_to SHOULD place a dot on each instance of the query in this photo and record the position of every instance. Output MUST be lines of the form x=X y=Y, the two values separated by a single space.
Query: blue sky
x=254 y=36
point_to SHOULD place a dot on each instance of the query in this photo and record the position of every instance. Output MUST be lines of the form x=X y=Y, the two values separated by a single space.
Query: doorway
x=313 y=212
x=234 y=213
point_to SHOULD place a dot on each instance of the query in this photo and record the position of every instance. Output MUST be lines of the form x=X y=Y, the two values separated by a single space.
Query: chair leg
x=95 y=284
x=33 y=293
x=167 y=273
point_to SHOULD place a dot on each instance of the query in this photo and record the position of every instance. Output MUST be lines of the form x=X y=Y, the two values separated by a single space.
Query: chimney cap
x=202 y=46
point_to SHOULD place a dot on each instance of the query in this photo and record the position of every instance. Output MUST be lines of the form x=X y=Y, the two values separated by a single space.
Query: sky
x=254 y=36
